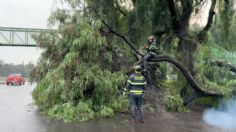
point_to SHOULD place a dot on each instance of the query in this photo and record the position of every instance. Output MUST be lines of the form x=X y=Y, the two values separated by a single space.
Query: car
x=15 y=79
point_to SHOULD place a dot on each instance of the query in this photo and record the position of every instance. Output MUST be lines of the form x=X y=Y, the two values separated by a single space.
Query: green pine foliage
x=172 y=91
x=79 y=84
x=174 y=103
x=212 y=77
x=219 y=75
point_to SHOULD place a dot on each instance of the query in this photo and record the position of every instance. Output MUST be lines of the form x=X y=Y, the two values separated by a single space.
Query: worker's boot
x=142 y=121
x=132 y=121
x=141 y=115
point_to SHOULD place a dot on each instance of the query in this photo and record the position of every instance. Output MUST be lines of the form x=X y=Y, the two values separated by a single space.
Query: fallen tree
x=199 y=91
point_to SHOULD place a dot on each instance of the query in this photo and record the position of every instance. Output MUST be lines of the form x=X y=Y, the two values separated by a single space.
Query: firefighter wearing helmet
x=136 y=84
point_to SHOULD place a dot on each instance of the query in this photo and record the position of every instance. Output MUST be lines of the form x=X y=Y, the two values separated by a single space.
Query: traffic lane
x=17 y=113
x=4 y=89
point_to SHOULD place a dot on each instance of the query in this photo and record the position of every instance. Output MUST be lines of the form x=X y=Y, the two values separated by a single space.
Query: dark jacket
x=136 y=83
x=153 y=48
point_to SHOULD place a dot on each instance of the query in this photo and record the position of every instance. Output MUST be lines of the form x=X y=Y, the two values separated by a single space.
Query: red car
x=15 y=79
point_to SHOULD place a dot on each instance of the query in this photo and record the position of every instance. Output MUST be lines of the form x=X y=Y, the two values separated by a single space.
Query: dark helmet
x=151 y=39
x=137 y=68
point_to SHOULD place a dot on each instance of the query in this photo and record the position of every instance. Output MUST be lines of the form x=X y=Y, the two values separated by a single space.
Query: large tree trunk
x=186 y=50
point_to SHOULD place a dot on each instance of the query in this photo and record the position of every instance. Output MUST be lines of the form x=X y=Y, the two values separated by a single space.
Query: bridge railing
x=20 y=36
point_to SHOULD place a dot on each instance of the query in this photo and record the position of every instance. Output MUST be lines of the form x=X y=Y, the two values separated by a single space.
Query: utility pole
x=22 y=68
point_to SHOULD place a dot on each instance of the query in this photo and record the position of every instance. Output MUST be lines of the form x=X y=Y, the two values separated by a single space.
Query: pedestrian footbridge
x=10 y=36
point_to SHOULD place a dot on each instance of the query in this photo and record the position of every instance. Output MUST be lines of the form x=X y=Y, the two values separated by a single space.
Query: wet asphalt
x=19 y=114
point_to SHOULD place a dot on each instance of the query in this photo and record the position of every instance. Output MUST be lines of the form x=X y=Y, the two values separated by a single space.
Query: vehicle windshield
x=15 y=75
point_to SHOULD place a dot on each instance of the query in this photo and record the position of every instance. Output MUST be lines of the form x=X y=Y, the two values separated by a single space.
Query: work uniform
x=136 y=83
x=152 y=51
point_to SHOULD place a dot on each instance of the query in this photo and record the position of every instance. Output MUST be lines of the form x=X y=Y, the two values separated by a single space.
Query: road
x=18 y=114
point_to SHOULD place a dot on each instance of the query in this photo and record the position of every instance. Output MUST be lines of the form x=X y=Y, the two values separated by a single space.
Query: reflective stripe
x=152 y=47
x=135 y=83
x=137 y=92
x=140 y=78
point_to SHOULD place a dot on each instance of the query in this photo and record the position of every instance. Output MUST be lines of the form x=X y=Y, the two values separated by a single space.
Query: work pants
x=136 y=101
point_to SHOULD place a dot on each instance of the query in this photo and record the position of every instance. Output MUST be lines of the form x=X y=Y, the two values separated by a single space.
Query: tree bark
x=200 y=92
x=175 y=22
x=118 y=6
x=180 y=21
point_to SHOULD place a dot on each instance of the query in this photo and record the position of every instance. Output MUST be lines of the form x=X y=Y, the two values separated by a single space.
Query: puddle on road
x=166 y=122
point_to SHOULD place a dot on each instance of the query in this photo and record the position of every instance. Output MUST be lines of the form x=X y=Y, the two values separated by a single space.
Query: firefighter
x=136 y=84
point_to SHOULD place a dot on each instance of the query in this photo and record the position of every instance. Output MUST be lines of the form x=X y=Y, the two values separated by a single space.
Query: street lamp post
x=22 y=68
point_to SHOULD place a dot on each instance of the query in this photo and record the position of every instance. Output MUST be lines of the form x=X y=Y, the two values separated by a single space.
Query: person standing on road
x=136 y=84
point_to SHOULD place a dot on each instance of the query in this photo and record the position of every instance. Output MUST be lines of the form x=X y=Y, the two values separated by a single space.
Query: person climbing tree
x=152 y=49
x=136 y=84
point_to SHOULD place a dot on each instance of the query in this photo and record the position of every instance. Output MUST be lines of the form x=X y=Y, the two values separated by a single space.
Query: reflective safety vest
x=136 y=84
x=152 y=49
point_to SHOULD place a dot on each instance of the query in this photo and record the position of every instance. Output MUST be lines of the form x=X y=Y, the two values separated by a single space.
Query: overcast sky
x=25 y=14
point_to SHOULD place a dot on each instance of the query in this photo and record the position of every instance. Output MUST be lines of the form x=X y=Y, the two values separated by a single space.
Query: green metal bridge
x=10 y=36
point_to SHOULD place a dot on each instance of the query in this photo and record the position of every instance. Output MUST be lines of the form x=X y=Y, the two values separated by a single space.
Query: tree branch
x=131 y=45
x=211 y=14
x=118 y=6
x=185 y=72
x=199 y=91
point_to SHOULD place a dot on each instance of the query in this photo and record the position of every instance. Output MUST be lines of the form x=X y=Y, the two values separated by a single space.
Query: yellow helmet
x=151 y=39
x=137 y=68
